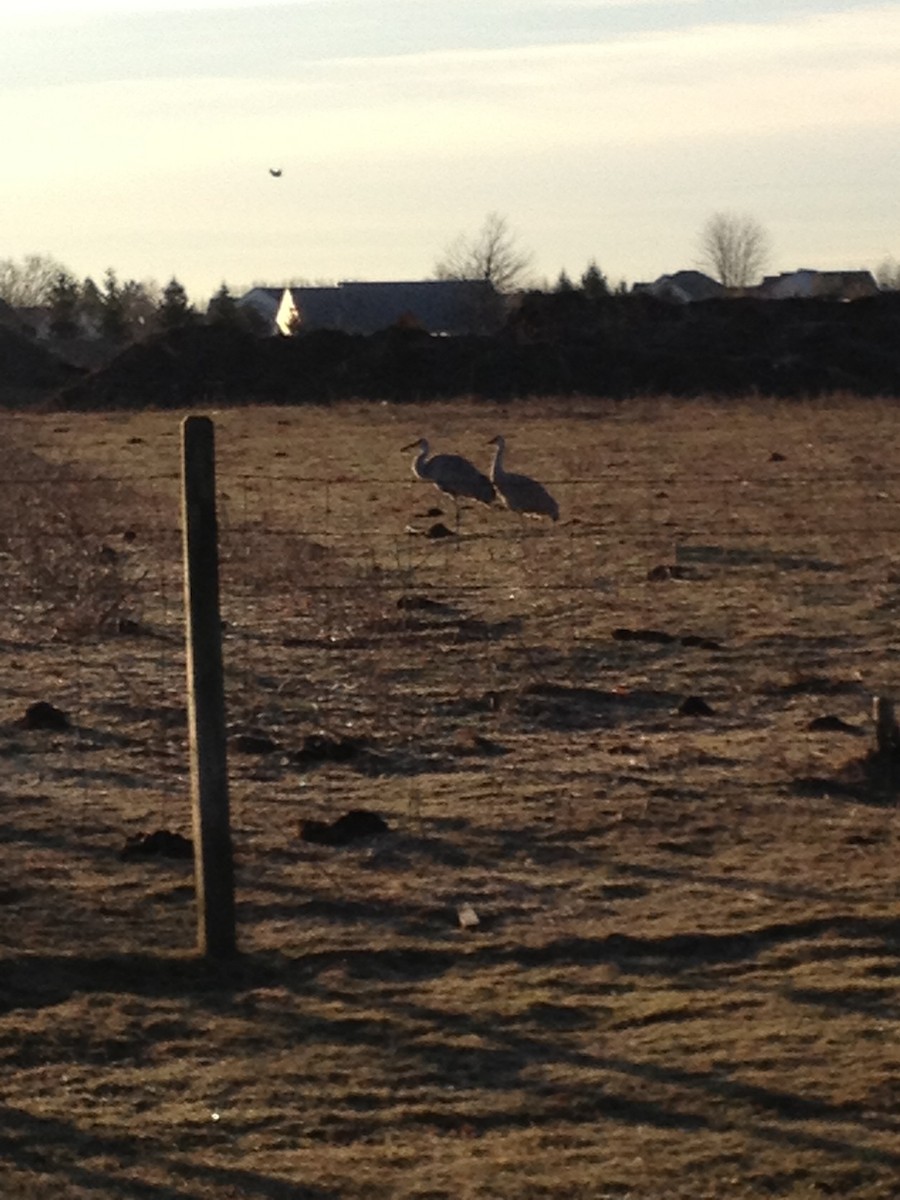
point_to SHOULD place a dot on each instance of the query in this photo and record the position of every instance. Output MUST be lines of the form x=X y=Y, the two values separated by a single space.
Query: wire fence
x=487 y=692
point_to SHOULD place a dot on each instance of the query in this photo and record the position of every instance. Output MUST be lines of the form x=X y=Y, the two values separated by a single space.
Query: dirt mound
x=26 y=367
x=187 y=366
x=553 y=345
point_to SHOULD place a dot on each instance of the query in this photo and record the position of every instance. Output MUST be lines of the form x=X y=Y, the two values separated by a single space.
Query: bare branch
x=734 y=248
x=492 y=254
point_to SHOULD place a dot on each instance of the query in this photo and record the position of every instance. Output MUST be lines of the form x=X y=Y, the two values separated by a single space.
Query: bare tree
x=492 y=254
x=31 y=282
x=887 y=275
x=734 y=248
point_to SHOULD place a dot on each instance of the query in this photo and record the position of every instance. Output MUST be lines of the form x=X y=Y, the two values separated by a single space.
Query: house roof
x=263 y=299
x=809 y=282
x=437 y=305
x=683 y=286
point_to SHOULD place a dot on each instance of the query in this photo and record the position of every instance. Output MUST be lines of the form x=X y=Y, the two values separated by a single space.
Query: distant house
x=807 y=284
x=684 y=287
x=437 y=306
x=265 y=302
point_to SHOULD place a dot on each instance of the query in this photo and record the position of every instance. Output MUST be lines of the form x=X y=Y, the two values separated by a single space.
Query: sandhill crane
x=519 y=493
x=452 y=474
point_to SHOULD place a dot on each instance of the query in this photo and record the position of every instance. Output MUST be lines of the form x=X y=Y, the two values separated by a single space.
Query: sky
x=138 y=134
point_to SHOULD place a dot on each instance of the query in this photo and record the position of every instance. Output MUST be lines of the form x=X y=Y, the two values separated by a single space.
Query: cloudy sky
x=138 y=134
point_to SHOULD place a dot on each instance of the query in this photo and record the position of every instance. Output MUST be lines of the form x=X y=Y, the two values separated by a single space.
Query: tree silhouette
x=63 y=300
x=492 y=254
x=112 y=320
x=594 y=282
x=175 y=311
x=887 y=275
x=223 y=309
x=734 y=248
x=29 y=283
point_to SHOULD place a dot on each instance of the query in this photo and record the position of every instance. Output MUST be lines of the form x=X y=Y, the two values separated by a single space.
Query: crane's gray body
x=453 y=474
x=520 y=493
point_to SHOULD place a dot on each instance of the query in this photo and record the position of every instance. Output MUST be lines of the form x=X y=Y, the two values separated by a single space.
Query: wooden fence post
x=213 y=865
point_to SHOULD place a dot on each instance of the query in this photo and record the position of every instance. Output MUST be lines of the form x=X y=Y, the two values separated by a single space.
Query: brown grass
x=684 y=979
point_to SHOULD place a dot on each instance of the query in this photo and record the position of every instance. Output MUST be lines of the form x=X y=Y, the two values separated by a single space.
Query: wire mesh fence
x=502 y=696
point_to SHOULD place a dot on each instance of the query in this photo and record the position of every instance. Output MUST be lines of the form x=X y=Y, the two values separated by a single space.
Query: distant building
x=437 y=306
x=265 y=302
x=684 y=287
x=807 y=284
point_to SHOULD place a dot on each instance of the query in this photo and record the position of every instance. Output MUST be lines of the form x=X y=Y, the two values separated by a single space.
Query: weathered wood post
x=887 y=735
x=213 y=865
x=887 y=744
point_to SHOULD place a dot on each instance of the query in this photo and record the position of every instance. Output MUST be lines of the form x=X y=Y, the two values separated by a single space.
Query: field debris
x=43 y=715
x=469 y=741
x=468 y=917
x=662 y=638
x=832 y=723
x=354 y=826
x=253 y=743
x=695 y=706
x=161 y=843
x=323 y=748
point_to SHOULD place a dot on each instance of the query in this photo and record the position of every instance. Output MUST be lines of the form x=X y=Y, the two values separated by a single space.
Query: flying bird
x=276 y=171
x=454 y=475
x=520 y=493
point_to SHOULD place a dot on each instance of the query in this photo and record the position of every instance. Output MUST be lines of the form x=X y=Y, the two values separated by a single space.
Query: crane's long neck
x=497 y=471
x=420 y=467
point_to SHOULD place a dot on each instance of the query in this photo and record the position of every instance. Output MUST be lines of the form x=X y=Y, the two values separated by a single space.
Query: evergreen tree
x=223 y=309
x=113 y=322
x=175 y=311
x=594 y=283
x=90 y=306
x=140 y=302
x=564 y=283
x=63 y=301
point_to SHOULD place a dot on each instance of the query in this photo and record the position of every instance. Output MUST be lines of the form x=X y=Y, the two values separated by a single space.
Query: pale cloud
x=632 y=139
x=826 y=72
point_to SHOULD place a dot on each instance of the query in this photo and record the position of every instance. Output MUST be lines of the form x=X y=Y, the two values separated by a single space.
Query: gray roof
x=683 y=287
x=436 y=305
x=833 y=285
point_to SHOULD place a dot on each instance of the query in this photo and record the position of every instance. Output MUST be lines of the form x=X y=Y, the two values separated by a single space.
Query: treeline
x=582 y=337
x=118 y=311
x=132 y=312
x=558 y=343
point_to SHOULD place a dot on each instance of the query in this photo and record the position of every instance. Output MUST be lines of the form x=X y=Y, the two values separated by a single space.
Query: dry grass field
x=684 y=979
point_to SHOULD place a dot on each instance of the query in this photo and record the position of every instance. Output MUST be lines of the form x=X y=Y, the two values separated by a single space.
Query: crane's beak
x=411 y=446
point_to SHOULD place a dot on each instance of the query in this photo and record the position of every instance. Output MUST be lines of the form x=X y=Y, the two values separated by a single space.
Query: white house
x=807 y=284
x=266 y=302
x=684 y=287
x=436 y=306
